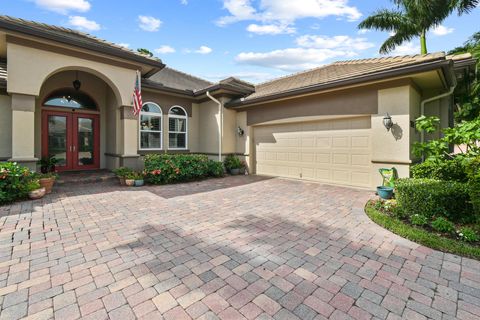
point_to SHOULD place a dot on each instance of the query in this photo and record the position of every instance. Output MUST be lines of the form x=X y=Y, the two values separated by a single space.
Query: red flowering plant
x=171 y=168
x=13 y=181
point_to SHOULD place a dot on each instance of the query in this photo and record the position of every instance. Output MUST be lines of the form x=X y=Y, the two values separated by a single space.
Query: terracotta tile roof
x=70 y=36
x=337 y=71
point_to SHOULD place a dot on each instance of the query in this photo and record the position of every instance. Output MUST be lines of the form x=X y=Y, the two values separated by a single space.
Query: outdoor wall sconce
x=76 y=83
x=240 y=131
x=387 y=122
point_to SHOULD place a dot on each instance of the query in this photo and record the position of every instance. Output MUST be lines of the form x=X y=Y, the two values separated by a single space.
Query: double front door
x=72 y=138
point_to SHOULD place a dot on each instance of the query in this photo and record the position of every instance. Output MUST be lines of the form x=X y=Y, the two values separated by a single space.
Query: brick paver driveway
x=239 y=247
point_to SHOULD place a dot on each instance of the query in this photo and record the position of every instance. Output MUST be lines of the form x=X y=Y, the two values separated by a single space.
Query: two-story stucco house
x=68 y=94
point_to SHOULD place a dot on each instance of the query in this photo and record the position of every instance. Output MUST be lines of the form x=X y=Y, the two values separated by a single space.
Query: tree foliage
x=413 y=18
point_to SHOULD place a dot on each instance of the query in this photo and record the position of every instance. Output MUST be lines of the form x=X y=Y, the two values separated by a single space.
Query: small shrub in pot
x=233 y=164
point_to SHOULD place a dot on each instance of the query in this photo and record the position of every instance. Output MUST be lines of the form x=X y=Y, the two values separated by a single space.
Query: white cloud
x=335 y=42
x=363 y=31
x=83 y=23
x=286 y=12
x=64 y=6
x=184 y=2
x=442 y=30
x=408 y=48
x=123 y=44
x=149 y=23
x=204 y=50
x=292 y=59
x=312 y=51
x=270 y=29
x=165 y=49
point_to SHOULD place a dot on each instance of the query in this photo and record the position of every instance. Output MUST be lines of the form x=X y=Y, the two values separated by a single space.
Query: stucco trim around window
x=144 y=122
x=177 y=113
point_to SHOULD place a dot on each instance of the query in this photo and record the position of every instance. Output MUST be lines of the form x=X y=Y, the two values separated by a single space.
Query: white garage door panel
x=333 y=151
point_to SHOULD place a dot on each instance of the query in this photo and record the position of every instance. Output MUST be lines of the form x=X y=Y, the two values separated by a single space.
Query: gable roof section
x=74 y=38
x=179 y=80
x=338 y=73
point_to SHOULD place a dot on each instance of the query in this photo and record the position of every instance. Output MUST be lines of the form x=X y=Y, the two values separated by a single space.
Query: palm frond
x=384 y=20
x=465 y=6
x=397 y=39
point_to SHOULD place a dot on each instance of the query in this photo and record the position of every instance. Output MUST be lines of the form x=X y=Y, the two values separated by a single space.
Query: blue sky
x=255 y=40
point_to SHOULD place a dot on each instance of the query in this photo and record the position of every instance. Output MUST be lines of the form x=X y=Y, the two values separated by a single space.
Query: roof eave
x=119 y=53
x=445 y=65
x=162 y=88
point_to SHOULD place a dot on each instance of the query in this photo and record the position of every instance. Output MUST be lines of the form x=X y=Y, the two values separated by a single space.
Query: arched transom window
x=151 y=127
x=70 y=98
x=177 y=128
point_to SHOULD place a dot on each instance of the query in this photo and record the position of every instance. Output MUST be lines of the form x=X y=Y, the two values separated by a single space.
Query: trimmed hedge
x=433 y=198
x=13 y=182
x=448 y=170
x=171 y=168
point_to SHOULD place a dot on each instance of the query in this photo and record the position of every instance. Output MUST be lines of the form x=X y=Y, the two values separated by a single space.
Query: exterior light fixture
x=240 y=131
x=76 y=83
x=387 y=122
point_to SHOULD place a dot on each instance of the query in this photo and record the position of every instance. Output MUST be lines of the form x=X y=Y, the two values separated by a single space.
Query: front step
x=91 y=176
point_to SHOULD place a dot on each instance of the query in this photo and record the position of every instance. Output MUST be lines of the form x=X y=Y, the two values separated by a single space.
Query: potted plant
x=233 y=164
x=130 y=179
x=47 y=164
x=121 y=173
x=35 y=191
x=47 y=180
x=138 y=176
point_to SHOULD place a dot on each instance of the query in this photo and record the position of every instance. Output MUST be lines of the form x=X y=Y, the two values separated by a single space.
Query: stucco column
x=128 y=138
x=392 y=148
x=23 y=129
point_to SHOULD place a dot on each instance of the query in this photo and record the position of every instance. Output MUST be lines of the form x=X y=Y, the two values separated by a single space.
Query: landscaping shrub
x=473 y=171
x=418 y=220
x=468 y=234
x=443 y=225
x=169 y=168
x=13 y=182
x=232 y=162
x=448 y=170
x=431 y=198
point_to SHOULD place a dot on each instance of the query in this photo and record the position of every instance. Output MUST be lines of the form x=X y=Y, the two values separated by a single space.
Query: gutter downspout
x=220 y=129
x=440 y=96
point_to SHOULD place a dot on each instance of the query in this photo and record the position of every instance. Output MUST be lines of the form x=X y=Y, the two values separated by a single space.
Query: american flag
x=137 y=95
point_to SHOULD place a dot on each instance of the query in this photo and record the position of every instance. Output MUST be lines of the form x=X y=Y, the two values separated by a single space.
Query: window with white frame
x=177 y=128
x=150 y=126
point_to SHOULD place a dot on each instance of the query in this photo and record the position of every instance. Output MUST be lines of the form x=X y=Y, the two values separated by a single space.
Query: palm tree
x=413 y=18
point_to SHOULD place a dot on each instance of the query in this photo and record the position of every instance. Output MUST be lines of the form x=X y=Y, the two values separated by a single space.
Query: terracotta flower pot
x=47 y=183
x=130 y=182
x=122 y=181
x=37 y=194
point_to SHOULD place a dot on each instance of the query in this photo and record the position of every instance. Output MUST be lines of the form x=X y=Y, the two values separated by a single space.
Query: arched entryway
x=77 y=120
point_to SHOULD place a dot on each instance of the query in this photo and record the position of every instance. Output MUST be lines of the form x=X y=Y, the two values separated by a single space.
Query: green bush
x=473 y=171
x=418 y=220
x=468 y=234
x=448 y=170
x=232 y=162
x=443 y=225
x=13 y=182
x=429 y=198
x=171 y=168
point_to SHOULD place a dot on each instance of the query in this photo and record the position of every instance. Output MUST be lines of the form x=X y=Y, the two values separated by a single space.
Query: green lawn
x=422 y=236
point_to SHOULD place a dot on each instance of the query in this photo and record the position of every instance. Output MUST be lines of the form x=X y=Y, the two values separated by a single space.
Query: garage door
x=333 y=151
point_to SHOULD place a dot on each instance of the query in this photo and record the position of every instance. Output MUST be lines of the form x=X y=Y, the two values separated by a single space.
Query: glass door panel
x=86 y=144
x=57 y=139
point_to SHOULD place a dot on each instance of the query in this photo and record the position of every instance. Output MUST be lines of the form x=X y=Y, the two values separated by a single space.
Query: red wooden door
x=73 y=139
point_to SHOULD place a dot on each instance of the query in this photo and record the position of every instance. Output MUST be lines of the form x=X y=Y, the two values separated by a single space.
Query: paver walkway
x=233 y=248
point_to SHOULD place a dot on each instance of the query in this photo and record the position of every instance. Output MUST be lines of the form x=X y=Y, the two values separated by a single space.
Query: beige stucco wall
x=32 y=67
x=208 y=123
x=6 y=127
x=392 y=148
